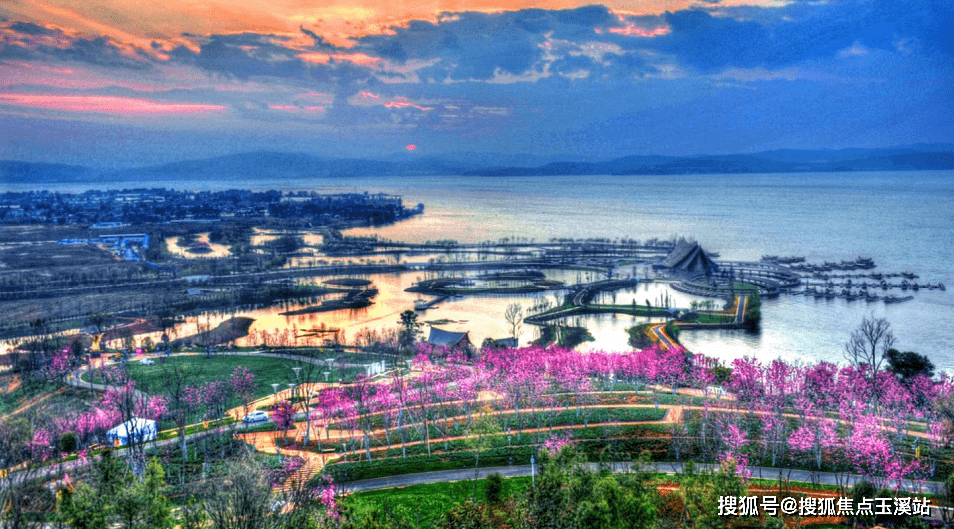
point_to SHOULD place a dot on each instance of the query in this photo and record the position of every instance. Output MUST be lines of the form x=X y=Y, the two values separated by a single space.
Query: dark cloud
x=102 y=51
x=29 y=28
x=477 y=45
x=320 y=42
x=245 y=55
x=802 y=31
x=28 y=40
x=14 y=52
x=705 y=42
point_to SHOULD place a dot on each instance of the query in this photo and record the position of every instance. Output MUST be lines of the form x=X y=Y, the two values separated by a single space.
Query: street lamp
x=533 y=474
x=274 y=391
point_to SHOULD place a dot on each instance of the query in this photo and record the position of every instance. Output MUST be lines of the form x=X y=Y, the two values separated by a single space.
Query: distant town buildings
x=114 y=209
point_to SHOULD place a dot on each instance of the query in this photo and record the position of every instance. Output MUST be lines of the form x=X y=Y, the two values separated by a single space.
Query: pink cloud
x=104 y=104
x=632 y=31
x=325 y=99
x=365 y=98
x=295 y=108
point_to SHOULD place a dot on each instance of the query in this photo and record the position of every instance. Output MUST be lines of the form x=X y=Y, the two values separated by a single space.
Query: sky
x=115 y=83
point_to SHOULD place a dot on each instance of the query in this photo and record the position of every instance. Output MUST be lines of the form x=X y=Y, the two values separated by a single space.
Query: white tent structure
x=135 y=429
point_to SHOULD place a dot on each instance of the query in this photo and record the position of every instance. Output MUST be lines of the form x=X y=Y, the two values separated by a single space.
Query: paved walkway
x=667 y=342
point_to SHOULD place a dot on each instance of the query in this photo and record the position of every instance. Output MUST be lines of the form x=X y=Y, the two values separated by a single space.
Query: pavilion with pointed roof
x=454 y=340
x=690 y=258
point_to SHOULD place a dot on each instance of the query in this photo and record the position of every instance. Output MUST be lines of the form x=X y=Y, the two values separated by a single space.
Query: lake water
x=903 y=220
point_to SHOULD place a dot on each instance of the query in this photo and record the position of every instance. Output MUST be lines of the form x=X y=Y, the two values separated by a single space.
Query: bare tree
x=177 y=379
x=21 y=490
x=868 y=344
x=305 y=379
x=131 y=402
x=514 y=316
x=243 y=499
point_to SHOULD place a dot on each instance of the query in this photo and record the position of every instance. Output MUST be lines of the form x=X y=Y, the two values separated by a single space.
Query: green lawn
x=267 y=371
x=425 y=502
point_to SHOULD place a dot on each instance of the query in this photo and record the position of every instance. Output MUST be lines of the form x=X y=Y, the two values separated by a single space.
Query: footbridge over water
x=770 y=279
x=579 y=299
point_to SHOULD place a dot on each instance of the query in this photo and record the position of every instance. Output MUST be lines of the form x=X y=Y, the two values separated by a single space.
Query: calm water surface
x=903 y=220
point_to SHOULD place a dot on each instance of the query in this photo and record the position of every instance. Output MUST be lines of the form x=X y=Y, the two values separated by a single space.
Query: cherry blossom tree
x=242 y=383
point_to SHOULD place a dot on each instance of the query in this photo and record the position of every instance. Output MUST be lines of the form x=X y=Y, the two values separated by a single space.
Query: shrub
x=494 y=491
x=68 y=442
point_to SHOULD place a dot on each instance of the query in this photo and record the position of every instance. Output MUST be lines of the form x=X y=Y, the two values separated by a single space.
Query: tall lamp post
x=533 y=473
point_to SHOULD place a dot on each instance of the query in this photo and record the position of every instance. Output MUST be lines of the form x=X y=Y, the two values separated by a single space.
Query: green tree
x=81 y=508
x=908 y=364
x=480 y=438
x=68 y=442
x=115 y=497
x=570 y=495
x=608 y=505
x=494 y=489
x=467 y=515
x=700 y=493
x=410 y=329
x=158 y=512
x=863 y=490
x=752 y=320
x=191 y=515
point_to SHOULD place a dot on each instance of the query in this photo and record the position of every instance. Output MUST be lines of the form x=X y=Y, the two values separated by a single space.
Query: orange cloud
x=104 y=104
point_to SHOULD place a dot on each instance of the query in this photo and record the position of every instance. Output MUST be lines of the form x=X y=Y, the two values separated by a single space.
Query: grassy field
x=426 y=502
x=11 y=399
x=267 y=371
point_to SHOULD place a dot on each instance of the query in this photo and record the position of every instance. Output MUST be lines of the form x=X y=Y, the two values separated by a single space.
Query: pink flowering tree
x=242 y=383
x=326 y=494
x=283 y=415
x=734 y=439
x=555 y=443
x=746 y=381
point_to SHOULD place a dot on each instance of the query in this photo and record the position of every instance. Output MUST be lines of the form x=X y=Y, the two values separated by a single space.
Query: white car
x=256 y=416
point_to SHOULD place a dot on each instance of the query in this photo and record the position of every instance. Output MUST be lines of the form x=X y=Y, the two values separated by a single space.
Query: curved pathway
x=265 y=441
x=659 y=333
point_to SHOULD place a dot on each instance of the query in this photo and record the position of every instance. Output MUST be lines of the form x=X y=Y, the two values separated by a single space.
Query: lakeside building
x=453 y=340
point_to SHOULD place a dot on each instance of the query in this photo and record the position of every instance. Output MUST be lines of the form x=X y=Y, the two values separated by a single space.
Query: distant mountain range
x=298 y=165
